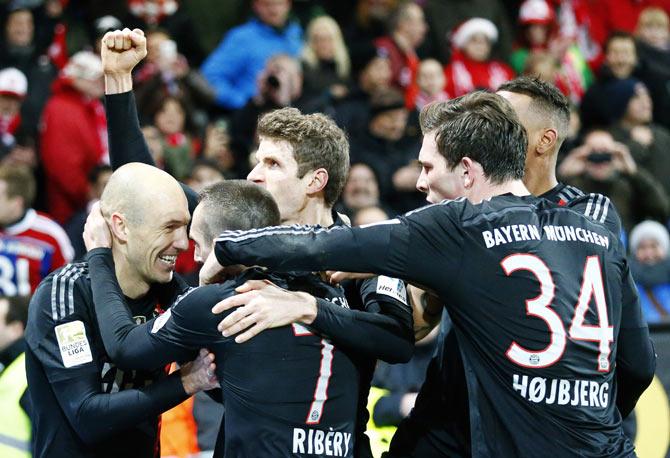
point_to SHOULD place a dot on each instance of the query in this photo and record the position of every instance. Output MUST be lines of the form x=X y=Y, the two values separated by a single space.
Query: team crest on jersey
x=140 y=319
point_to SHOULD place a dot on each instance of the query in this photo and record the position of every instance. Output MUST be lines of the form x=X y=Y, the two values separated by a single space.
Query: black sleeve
x=636 y=358
x=95 y=416
x=75 y=378
x=383 y=331
x=406 y=247
x=126 y=141
x=174 y=336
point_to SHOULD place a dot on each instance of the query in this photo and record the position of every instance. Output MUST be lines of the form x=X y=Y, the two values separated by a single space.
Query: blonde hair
x=652 y=17
x=342 y=61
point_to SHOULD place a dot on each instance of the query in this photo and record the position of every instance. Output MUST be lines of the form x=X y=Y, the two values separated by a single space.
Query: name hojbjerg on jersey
x=562 y=392
x=525 y=232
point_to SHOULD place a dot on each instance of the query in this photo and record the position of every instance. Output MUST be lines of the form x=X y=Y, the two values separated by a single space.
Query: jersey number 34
x=540 y=307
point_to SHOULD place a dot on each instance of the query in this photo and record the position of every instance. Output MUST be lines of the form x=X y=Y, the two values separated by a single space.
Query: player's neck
x=540 y=175
x=538 y=184
x=132 y=286
x=315 y=212
x=488 y=190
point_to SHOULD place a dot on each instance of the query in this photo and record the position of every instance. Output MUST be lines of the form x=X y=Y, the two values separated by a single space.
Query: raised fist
x=122 y=50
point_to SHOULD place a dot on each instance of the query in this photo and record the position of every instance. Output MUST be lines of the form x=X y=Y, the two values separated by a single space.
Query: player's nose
x=255 y=175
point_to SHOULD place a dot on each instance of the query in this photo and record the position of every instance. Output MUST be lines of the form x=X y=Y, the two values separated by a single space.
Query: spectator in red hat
x=471 y=67
x=13 y=87
x=73 y=137
x=539 y=34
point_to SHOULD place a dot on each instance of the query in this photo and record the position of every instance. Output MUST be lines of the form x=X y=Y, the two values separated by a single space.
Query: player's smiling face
x=156 y=240
x=437 y=181
x=277 y=171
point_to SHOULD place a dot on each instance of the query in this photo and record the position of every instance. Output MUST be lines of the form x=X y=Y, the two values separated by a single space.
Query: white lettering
x=498 y=236
x=298 y=440
x=337 y=445
x=552 y=392
x=488 y=239
x=508 y=233
x=538 y=388
x=604 y=395
x=318 y=442
x=524 y=232
x=570 y=233
x=329 y=443
x=551 y=233
x=563 y=392
x=593 y=394
x=521 y=388
x=534 y=232
x=347 y=438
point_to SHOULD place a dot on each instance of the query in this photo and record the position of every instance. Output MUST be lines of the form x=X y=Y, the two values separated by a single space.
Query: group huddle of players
x=547 y=352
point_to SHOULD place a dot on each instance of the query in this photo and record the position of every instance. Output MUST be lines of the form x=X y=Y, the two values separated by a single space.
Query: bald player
x=84 y=405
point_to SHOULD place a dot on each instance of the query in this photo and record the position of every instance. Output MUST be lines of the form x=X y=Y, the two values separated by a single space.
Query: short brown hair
x=20 y=183
x=483 y=127
x=317 y=142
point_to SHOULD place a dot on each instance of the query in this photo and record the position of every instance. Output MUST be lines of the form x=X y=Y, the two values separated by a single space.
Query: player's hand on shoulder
x=96 y=232
x=199 y=374
x=262 y=305
x=122 y=50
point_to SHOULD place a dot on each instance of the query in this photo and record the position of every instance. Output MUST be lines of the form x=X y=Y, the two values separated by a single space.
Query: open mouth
x=170 y=260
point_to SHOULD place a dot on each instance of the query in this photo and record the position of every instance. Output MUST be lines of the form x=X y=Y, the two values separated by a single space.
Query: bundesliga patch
x=392 y=287
x=73 y=344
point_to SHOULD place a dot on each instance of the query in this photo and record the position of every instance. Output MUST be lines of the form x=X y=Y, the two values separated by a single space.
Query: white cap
x=85 y=65
x=535 y=12
x=462 y=33
x=13 y=82
x=649 y=230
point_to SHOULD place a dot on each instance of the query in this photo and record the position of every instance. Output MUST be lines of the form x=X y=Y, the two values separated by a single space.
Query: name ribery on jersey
x=321 y=443
x=562 y=392
x=525 y=232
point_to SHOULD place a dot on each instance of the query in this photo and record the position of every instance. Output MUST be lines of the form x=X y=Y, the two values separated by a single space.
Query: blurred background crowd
x=213 y=67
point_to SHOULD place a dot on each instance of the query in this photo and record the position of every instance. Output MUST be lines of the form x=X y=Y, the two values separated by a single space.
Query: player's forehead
x=429 y=154
x=280 y=150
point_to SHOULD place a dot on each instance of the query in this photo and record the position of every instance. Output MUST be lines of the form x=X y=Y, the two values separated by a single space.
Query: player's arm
x=174 y=336
x=121 y=51
x=636 y=358
x=426 y=311
x=382 y=331
x=69 y=361
x=406 y=247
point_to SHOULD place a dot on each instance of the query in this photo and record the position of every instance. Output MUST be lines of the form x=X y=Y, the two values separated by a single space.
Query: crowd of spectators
x=214 y=67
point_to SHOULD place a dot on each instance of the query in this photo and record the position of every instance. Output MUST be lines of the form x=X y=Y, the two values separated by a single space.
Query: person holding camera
x=602 y=165
x=279 y=85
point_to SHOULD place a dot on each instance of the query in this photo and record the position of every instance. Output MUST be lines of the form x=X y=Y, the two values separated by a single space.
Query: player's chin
x=163 y=271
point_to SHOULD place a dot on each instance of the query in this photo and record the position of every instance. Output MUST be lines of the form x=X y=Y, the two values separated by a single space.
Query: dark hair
x=94 y=175
x=17 y=309
x=20 y=182
x=547 y=101
x=617 y=35
x=237 y=205
x=483 y=127
x=317 y=142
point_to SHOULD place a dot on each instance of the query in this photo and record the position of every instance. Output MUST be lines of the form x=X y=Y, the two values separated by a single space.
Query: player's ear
x=547 y=141
x=318 y=182
x=465 y=172
x=119 y=227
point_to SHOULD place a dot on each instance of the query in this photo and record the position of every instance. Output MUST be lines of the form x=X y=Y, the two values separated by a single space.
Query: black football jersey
x=535 y=292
